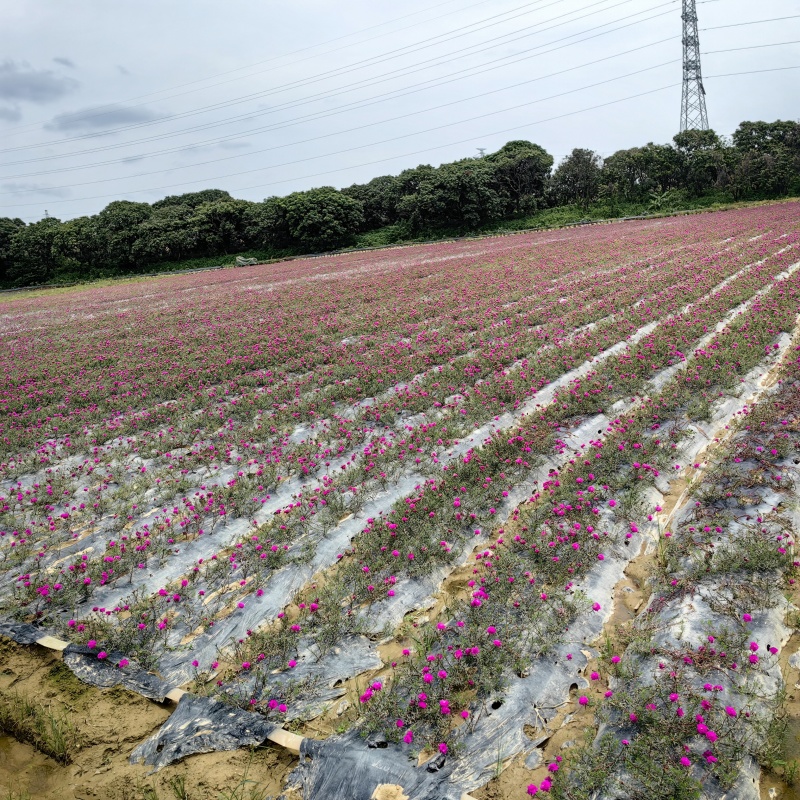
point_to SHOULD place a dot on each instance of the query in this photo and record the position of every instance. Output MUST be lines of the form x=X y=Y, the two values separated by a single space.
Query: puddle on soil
x=23 y=770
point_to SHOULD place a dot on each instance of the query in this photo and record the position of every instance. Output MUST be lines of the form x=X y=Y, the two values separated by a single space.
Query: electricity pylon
x=693 y=101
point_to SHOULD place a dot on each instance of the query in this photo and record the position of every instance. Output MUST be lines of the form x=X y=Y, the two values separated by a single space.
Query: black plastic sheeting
x=21 y=632
x=201 y=725
x=86 y=666
x=349 y=768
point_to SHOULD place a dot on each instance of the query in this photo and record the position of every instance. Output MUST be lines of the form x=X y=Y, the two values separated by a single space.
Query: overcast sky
x=109 y=100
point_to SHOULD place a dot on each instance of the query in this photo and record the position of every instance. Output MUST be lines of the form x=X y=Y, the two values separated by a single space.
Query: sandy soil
x=111 y=723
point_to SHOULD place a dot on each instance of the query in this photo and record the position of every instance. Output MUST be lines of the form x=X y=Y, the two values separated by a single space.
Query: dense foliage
x=762 y=160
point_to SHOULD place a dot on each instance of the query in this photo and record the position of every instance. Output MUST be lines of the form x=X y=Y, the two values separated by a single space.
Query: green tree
x=703 y=161
x=77 y=249
x=521 y=169
x=117 y=231
x=193 y=199
x=266 y=227
x=767 y=159
x=462 y=195
x=379 y=200
x=768 y=137
x=577 y=178
x=8 y=229
x=221 y=227
x=32 y=255
x=632 y=174
x=168 y=234
x=322 y=219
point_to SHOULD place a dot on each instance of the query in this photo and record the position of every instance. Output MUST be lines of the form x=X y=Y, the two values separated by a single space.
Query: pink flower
x=123 y=662
x=443 y=748
x=583 y=700
x=532 y=789
x=409 y=737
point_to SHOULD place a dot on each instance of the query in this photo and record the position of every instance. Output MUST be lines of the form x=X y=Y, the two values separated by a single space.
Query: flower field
x=400 y=494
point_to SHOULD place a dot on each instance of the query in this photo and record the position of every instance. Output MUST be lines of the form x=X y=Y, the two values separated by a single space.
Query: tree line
x=761 y=160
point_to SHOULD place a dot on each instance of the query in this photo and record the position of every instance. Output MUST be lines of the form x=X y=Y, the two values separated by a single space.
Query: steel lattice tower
x=693 y=102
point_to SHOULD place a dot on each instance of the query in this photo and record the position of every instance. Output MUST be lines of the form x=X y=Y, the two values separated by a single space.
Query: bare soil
x=111 y=723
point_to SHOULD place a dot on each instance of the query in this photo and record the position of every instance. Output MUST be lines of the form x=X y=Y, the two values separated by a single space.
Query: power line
x=383 y=121
x=354 y=129
x=753 y=22
x=326 y=75
x=394 y=94
x=509 y=60
x=275 y=58
x=416 y=152
x=359 y=147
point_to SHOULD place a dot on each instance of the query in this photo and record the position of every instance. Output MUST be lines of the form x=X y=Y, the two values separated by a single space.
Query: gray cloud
x=65 y=62
x=101 y=118
x=122 y=70
x=235 y=145
x=20 y=82
x=45 y=191
x=10 y=114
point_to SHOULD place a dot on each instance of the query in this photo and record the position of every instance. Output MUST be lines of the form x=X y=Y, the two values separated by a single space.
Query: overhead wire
x=468 y=72
x=273 y=59
x=328 y=74
x=479 y=69
x=375 y=123
x=427 y=149
x=286 y=124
